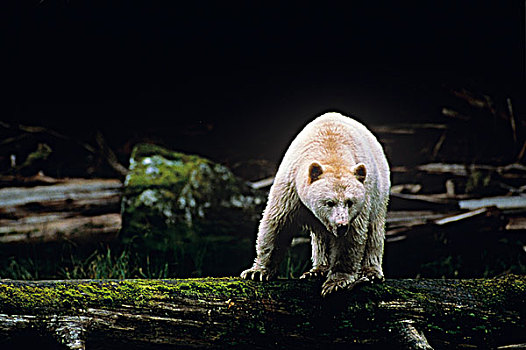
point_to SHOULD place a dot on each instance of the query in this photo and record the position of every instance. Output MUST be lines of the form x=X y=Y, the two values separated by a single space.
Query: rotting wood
x=267 y=182
x=73 y=189
x=28 y=181
x=516 y=224
x=72 y=209
x=448 y=112
x=462 y=169
x=406 y=201
x=229 y=312
x=398 y=231
x=461 y=216
x=501 y=202
x=100 y=227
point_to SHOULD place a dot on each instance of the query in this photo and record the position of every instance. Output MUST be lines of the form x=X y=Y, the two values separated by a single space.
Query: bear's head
x=336 y=195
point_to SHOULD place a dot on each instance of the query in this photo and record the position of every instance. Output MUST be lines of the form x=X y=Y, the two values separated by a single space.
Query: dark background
x=234 y=80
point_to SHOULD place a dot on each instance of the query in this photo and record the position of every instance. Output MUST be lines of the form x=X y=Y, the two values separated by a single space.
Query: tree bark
x=229 y=312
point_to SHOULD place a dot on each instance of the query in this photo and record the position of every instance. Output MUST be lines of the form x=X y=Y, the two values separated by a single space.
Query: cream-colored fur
x=334 y=181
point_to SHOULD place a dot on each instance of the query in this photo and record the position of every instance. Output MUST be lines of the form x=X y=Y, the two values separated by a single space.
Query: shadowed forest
x=442 y=87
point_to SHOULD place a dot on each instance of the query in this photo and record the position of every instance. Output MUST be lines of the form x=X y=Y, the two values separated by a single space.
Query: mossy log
x=233 y=313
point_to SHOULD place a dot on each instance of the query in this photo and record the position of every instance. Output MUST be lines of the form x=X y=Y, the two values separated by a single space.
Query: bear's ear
x=315 y=171
x=360 y=172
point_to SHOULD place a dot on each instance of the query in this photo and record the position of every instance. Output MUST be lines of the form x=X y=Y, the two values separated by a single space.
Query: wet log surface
x=72 y=209
x=229 y=312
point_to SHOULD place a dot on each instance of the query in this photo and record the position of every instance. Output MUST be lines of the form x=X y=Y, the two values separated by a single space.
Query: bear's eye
x=330 y=203
x=348 y=203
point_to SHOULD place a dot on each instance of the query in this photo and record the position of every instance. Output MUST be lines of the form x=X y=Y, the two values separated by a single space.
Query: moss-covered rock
x=188 y=215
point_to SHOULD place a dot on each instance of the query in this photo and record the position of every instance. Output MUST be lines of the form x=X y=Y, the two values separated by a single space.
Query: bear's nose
x=342 y=230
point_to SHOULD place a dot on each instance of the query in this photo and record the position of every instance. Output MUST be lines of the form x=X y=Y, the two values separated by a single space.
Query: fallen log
x=72 y=209
x=229 y=312
x=501 y=202
x=51 y=228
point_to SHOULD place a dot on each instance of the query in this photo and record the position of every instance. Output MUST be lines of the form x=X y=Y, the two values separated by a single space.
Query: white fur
x=339 y=145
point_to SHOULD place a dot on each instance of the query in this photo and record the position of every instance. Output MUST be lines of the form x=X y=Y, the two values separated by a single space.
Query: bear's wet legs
x=374 y=250
x=320 y=261
x=273 y=240
x=345 y=262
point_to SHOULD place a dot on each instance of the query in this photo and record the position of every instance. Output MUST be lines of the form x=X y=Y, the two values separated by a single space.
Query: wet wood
x=219 y=313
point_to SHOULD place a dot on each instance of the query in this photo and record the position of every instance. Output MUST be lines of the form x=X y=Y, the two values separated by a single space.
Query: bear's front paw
x=316 y=272
x=372 y=274
x=339 y=281
x=257 y=274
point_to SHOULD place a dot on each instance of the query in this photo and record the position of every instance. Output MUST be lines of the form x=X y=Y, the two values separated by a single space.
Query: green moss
x=64 y=295
x=294 y=304
x=41 y=153
x=189 y=211
x=511 y=287
x=475 y=307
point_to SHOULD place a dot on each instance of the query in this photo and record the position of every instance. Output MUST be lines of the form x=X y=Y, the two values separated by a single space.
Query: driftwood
x=228 y=312
x=73 y=209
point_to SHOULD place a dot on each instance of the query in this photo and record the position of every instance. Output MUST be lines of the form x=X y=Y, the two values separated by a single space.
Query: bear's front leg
x=274 y=237
x=345 y=263
x=320 y=261
x=374 y=250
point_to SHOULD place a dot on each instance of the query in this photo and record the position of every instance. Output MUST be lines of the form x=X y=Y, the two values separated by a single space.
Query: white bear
x=333 y=181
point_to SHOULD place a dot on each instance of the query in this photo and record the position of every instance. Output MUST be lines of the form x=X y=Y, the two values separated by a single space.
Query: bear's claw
x=257 y=274
x=372 y=274
x=316 y=272
x=340 y=281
